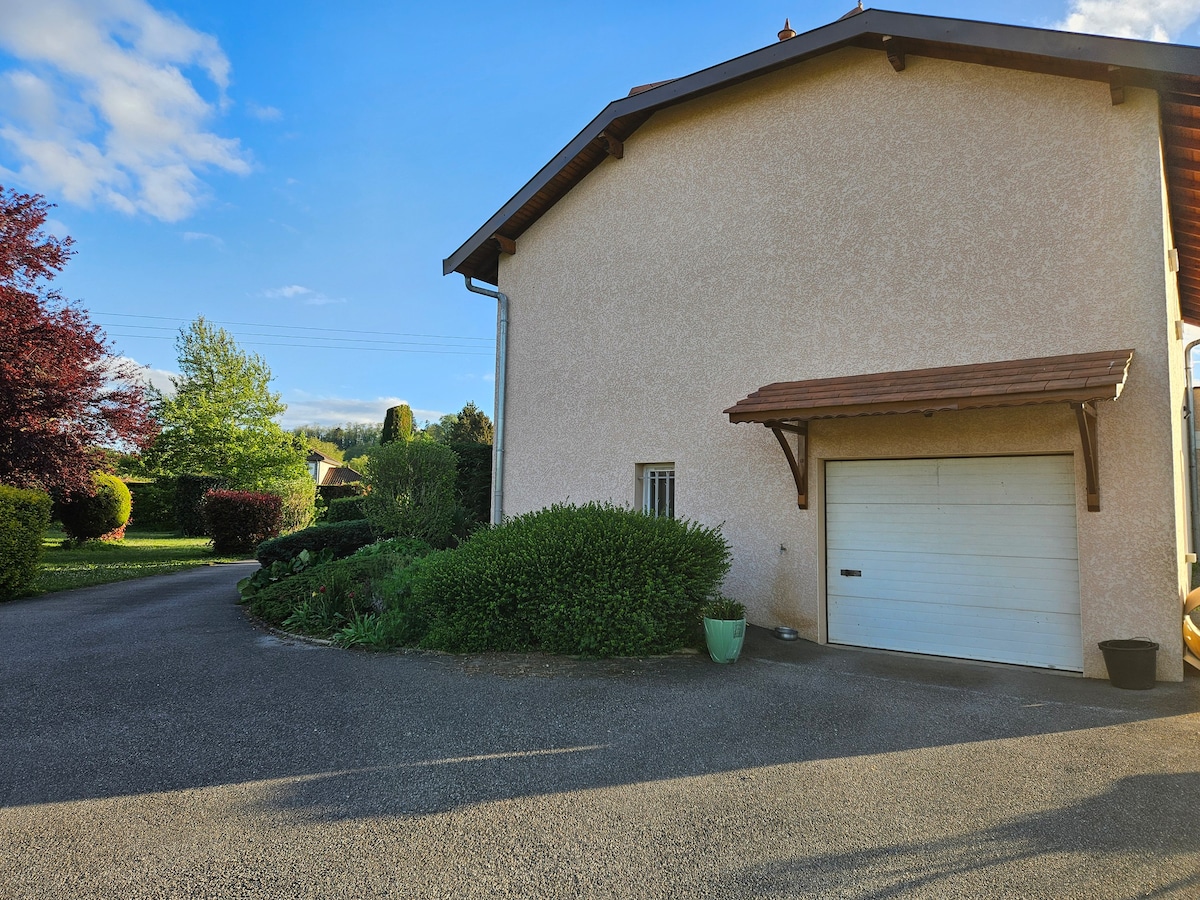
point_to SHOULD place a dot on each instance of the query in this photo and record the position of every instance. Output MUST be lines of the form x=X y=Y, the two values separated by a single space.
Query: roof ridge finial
x=787 y=30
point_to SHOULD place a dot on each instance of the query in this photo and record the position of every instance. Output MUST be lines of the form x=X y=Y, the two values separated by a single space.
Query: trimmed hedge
x=473 y=480
x=343 y=537
x=238 y=521
x=347 y=509
x=102 y=514
x=331 y=492
x=24 y=518
x=593 y=580
x=153 y=503
x=412 y=487
x=189 y=498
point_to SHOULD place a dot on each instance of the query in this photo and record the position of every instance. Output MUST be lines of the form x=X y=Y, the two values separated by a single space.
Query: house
x=326 y=470
x=897 y=302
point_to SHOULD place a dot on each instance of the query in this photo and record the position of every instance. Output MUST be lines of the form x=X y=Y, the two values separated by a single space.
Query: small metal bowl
x=786 y=634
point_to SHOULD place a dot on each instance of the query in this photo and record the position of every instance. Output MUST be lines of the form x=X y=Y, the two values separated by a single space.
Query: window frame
x=654 y=479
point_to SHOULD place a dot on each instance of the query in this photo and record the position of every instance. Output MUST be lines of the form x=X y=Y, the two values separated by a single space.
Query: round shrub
x=593 y=580
x=24 y=517
x=238 y=521
x=102 y=514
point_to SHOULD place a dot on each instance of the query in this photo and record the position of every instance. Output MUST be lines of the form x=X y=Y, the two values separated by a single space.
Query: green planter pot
x=724 y=637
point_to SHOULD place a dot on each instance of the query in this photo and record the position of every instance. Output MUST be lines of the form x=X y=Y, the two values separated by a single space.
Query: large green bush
x=343 y=537
x=103 y=513
x=346 y=509
x=594 y=580
x=412 y=486
x=299 y=502
x=24 y=517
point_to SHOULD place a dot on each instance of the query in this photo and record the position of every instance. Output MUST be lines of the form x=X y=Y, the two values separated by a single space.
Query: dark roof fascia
x=1143 y=63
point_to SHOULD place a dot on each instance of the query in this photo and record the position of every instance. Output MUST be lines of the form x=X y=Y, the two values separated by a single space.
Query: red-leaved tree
x=62 y=396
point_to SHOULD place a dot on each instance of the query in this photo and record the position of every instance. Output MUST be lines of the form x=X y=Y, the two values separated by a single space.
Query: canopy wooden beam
x=1085 y=414
x=798 y=461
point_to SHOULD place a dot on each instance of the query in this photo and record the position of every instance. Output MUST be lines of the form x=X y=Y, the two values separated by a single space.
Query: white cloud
x=157 y=378
x=56 y=227
x=103 y=112
x=264 y=113
x=288 y=290
x=309 y=409
x=306 y=295
x=203 y=236
x=1155 y=20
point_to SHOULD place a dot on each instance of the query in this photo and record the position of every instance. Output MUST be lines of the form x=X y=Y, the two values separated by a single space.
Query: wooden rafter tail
x=894 y=51
x=613 y=146
x=1085 y=415
x=1116 y=85
x=797 y=462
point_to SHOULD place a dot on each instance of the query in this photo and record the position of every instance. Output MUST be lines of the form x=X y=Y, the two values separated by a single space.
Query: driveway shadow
x=1140 y=817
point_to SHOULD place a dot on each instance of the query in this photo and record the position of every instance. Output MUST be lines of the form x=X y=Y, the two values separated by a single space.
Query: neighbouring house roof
x=1076 y=378
x=341 y=475
x=318 y=456
x=1170 y=69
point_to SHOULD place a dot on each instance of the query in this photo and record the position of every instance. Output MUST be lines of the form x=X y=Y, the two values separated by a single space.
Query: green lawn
x=142 y=553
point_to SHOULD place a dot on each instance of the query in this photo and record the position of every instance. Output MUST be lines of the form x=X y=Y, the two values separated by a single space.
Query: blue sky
x=297 y=171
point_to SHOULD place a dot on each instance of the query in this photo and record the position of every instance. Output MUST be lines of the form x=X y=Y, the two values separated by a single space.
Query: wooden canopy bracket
x=507 y=245
x=1085 y=415
x=894 y=51
x=612 y=146
x=1116 y=85
x=798 y=461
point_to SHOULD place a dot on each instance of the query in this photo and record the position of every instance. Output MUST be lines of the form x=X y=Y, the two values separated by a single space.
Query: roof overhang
x=1079 y=379
x=1172 y=70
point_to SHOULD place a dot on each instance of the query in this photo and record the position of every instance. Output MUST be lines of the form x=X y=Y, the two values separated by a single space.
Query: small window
x=658 y=489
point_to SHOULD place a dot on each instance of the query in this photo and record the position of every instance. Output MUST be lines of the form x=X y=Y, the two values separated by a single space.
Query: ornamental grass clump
x=591 y=580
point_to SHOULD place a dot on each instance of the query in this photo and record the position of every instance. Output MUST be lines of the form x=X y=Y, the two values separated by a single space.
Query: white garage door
x=973 y=558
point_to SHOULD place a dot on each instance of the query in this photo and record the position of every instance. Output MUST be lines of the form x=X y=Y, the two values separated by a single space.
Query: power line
x=455 y=337
x=297 y=337
x=464 y=352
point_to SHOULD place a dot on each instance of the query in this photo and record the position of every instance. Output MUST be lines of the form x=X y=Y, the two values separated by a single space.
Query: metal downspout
x=1193 y=487
x=501 y=380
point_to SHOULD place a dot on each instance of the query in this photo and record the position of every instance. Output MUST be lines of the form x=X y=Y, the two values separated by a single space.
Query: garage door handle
x=852 y=573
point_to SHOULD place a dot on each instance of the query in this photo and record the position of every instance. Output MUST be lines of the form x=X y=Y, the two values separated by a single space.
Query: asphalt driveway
x=153 y=743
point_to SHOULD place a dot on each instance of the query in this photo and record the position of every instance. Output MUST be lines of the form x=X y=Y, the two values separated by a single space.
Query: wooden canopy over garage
x=1080 y=379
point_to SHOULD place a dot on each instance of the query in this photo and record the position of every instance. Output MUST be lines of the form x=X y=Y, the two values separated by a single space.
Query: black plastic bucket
x=1130 y=663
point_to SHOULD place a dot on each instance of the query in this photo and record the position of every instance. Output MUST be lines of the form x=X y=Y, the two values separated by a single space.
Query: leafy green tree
x=470 y=426
x=329 y=448
x=221 y=418
x=353 y=438
x=397 y=424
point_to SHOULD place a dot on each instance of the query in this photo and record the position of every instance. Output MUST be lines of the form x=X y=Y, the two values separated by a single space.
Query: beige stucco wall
x=840 y=218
